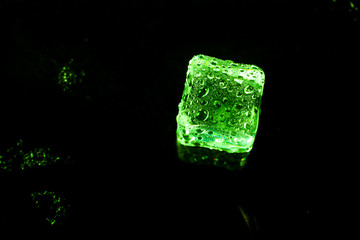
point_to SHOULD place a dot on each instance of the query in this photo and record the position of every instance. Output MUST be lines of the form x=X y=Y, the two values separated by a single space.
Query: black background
x=118 y=126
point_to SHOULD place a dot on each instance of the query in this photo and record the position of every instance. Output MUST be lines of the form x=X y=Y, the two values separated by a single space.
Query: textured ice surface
x=220 y=105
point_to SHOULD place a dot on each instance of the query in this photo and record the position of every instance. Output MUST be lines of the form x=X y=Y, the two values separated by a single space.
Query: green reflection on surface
x=206 y=156
x=68 y=78
x=52 y=206
x=17 y=158
x=38 y=157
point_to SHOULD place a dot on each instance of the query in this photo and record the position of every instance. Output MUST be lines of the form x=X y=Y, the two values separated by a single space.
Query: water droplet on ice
x=247 y=125
x=222 y=118
x=249 y=89
x=238 y=93
x=202 y=115
x=230 y=88
x=203 y=92
x=217 y=104
x=232 y=122
x=199 y=130
x=203 y=102
x=238 y=106
x=210 y=75
x=222 y=84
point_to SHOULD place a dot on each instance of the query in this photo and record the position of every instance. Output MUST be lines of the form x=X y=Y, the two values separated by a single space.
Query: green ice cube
x=220 y=105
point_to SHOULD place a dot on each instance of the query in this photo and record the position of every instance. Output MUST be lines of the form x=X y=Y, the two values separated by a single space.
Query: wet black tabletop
x=115 y=126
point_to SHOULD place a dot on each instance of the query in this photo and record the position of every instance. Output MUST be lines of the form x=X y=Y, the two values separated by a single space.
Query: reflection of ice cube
x=206 y=156
x=223 y=98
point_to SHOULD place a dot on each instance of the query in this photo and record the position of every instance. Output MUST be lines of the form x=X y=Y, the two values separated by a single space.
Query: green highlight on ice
x=220 y=105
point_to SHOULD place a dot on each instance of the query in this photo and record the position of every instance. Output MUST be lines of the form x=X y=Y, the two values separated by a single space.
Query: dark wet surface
x=118 y=122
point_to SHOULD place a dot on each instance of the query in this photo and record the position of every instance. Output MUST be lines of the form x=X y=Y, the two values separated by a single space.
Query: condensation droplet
x=213 y=120
x=248 y=89
x=238 y=106
x=217 y=104
x=230 y=88
x=222 y=84
x=222 y=117
x=203 y=102
x=203 y=92
x=247 y=125
x=202 y=115
x=238 y=93
x=232 y=122
x=210 y=75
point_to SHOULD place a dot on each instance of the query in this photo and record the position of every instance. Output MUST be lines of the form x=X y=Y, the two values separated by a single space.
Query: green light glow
x=52 y=204
x=220 y=105
x=38 y=157
x=68 y=78
x=17 y=158
x=10 y=160
x=3 y=164
x=352 y=5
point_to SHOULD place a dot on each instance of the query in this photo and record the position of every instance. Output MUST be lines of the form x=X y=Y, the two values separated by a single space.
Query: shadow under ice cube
x=220 y=105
